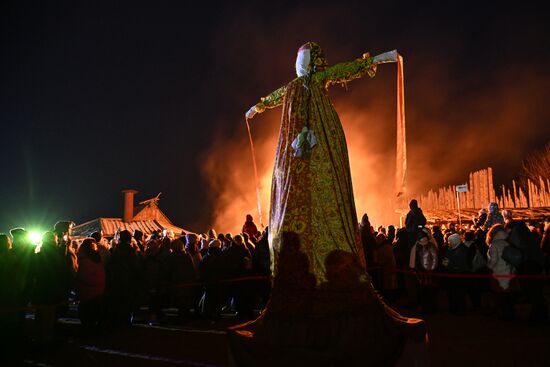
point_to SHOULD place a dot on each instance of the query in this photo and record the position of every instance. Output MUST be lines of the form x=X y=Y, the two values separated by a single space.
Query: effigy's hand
x=251 y=112
x=390 y=56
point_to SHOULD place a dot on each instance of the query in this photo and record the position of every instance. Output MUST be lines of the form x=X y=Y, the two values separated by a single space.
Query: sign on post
x=462 y=188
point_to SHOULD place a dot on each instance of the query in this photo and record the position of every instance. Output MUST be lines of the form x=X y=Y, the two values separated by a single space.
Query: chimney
x=129 y=204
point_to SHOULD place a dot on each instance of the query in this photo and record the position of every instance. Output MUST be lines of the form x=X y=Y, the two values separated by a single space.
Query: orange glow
x=234 y=188
x=447 y=137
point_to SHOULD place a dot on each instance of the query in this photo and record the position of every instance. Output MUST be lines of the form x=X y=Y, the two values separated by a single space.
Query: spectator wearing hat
x=455 y=261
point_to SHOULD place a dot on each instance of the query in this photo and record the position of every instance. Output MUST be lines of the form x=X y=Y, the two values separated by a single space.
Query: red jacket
x=250 y=229
x=90 y=279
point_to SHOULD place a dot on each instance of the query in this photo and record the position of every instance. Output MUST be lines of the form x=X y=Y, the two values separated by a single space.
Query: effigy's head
x=310 y=59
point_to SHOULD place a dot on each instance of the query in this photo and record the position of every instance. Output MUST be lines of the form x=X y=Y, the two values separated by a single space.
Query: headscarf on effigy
x=310 y=59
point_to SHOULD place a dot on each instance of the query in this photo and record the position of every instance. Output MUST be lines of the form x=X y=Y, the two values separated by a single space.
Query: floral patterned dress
x=313 y=195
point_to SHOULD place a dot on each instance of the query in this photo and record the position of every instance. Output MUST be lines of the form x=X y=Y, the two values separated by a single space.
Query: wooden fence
x=481 y=192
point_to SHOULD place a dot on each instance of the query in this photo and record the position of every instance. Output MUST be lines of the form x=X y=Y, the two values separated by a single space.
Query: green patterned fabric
x=312 y=194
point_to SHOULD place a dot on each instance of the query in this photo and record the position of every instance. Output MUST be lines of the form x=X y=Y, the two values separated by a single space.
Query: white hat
x=454 y=239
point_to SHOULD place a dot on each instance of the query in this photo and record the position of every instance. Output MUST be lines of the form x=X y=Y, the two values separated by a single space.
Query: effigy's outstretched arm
x=348 y=71
x=272 y=100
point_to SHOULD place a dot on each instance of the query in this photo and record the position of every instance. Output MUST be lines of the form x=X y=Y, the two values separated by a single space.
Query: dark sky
x=97 y=98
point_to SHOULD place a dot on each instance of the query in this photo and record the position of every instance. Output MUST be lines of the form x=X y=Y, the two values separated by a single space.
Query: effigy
x=323 y=308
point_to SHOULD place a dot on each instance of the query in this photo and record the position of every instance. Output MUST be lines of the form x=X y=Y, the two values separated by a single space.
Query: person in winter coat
x=249 y=227
x=211 y=271
x=532 y=263
x=249 y=244
x=367 y=240
x=438 y=237
x=503 y=288
x=494 y=217
x=384 y=257
x=456 y=261
x=11 y=322
x=262 y=267
x=401 y=254
x=424 y=260
x=124 y=280
x=156 y=251
x=414 y=221
x=90 y=286
x=262 y=256
x=178 y=269
x=52 y=277
x=237 y=257
x=192 y=248
x=478 y=265
x=400 y=249
x=203 y=244
x=479 y=221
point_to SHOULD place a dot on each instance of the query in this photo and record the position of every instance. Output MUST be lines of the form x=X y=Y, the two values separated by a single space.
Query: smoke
x=463 y=114
x=232 y=189
x=449 y=135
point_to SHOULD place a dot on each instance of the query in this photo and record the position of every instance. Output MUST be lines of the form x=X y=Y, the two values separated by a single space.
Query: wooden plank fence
x=481 y=192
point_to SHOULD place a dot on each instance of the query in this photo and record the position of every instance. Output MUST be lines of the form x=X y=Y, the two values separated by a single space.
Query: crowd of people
x=111 y=279
x=495 y=255
x=207 y=274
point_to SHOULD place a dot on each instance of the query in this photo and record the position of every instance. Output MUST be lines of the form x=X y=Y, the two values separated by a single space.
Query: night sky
x=98 y=98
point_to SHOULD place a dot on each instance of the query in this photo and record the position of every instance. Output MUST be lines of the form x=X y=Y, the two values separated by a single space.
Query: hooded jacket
x=495 y=261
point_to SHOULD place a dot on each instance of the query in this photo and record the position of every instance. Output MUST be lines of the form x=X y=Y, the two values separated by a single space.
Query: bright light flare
x=35 y=237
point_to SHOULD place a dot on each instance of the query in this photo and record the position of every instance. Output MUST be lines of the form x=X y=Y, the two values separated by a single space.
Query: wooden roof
x=147 y=218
